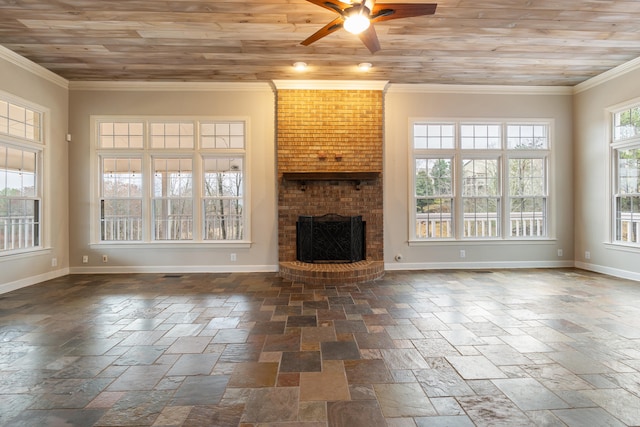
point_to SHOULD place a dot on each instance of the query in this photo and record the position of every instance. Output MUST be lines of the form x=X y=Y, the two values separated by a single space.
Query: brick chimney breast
x=346 y=126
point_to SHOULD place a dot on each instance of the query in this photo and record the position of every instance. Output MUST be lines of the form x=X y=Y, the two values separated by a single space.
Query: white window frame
x=34 y=142
x=502 y=155
x=619 y=142
x=148 y=153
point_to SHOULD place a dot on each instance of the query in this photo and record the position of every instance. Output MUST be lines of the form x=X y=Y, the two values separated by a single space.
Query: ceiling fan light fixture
x=357 y=21
x=364 y=66
x=300 y=66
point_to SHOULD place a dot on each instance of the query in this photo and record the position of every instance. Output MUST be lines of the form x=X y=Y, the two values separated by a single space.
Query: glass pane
x=28 y=184
x=120 y=135
x=171 y=142
x=527 y=177
x=628 y=219
x=528 y=136
x=17 y=120
x=223 y=219
x=433 y=177
x=480 y=136
x=121 y=128
x=481 y=217
x=236 y=142
x=121 y=220
x=480 y=177
x=223 y=135
x=223 y=177
x=121 y=177
x=433 y=218
x=222 y=128
x=20 y=121
x=528 y=217
x=422 y=180
x=17 y=128
x=173 y=219
x=626 y=124
x=19 y=223
x=172 y=135
x=236 y=129
x=433 y=136
x=172 y=178
x=628 y=171
x=119 y=141
x=19 y=207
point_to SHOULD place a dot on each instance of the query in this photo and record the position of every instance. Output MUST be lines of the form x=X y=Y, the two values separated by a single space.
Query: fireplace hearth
x=330 y=238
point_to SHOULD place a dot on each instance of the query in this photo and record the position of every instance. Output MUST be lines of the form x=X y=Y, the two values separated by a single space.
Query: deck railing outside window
x=18 y=232
x=527 y=224
x=629 y=228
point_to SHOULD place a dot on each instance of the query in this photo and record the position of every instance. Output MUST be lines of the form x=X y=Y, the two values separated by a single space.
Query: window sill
x=479 y=242
x=624 y=247
x=240 y=244
x=24 y=253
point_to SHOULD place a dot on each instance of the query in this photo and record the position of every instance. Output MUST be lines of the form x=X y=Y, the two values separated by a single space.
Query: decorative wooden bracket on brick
x=355 y=177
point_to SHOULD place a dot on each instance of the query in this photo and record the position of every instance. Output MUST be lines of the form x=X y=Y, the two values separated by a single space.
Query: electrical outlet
x=560 y=252
x=587 y=255
x=234 y=258
x=463 y=253
x=105 y=258
x=54 y=262
x=85 y=259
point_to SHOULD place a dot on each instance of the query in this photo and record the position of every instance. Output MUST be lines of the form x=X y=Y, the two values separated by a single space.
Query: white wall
x=592 y=171
x=255 y=101
x=24 y=80
x=403 y=103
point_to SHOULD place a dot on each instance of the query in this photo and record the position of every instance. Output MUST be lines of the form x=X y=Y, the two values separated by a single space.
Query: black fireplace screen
x=330 y=238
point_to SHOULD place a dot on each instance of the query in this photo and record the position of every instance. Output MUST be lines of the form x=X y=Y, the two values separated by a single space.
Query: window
x=223 y=205
x=20 y=122
x=626 y=183
x=480 y=180
x=121 y=202
x=21 y=157
x=171 y=180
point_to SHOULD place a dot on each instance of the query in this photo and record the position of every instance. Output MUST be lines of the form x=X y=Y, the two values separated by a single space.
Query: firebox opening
x=330 y=238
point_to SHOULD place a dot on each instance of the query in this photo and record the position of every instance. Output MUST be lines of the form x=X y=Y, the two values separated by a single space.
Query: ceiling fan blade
x=388 y=11
x=370 y=39
x=332 y=26
x=333 y=5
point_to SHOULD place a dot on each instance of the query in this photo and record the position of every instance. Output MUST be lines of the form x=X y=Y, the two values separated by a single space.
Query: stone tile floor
x=437 y=348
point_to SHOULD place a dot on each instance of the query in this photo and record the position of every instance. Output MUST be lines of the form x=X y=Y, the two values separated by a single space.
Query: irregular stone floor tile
x=527 y=347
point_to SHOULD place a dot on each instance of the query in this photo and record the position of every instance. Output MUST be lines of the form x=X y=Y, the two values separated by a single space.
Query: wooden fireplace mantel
x=304 y=177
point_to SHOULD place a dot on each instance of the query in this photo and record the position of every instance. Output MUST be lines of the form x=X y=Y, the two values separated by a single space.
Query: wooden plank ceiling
x=486 y=42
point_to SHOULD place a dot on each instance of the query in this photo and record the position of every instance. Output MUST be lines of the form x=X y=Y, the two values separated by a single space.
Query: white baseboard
x=175 y=269
x=623 y=274
x=399 y=266
x=32 y=280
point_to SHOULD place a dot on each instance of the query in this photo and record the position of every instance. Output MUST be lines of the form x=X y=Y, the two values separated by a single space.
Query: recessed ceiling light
x=365 y=66
x=300 y=66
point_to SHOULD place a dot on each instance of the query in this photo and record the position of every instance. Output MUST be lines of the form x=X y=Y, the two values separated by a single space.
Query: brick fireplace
x=330 y=162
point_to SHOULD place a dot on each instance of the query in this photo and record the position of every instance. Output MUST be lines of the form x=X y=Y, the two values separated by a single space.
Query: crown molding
x=35 y=69
x=331 y=84
x=138 y=86
x=480 y=89
x=611 y=74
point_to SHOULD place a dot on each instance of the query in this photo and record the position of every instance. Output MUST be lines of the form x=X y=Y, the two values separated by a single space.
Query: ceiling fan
x=357 y=18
